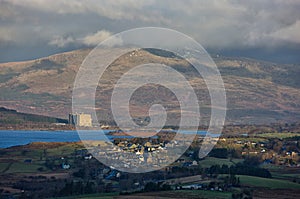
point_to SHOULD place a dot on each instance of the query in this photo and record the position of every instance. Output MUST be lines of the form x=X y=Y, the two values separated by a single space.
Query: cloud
x=61 y=41
x=6 y=35
x=230 y=23
x=216 y=24
x=290 y=33
x=88 y=40
x=117 y=9
x=95 y=39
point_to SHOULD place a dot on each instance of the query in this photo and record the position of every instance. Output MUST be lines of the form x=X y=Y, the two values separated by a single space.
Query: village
x=235 y=163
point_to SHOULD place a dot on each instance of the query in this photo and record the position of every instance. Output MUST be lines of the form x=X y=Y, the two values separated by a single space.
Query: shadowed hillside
x=12 y=117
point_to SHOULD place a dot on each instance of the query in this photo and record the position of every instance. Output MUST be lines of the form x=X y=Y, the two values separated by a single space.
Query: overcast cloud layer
x=263 y=29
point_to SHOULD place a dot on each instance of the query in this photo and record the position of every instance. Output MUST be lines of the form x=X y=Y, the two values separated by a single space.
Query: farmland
x=236 y=167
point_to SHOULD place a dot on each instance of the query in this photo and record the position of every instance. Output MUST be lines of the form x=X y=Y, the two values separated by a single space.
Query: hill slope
x=257 y=92
x=12 y=117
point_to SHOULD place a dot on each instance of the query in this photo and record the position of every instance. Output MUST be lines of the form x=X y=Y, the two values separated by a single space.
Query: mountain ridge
x=257 y=91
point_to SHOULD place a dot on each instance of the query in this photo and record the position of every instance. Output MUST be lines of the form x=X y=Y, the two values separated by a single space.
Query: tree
x=252 y=161
x=80 y=174
x=151 y=186
x=219 y=153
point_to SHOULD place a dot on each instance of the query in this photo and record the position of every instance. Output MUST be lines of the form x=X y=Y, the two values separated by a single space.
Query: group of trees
x=219 y=153
x=152 y=186
x=76 y=188
x=239 y=169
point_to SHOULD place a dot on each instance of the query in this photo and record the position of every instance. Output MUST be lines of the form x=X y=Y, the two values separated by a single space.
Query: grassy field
x=3 y=166
x=249 y=139
x=93 y=196
x=278 y=135
x=286 y=176
x=24 y=168
x=13 y=160
x=181 y=194
x=283 y=172
x=203 y=194
x=268 y=183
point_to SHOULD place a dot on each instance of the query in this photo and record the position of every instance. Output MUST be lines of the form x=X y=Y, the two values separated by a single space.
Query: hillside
x=12 y=118
x=257 y=92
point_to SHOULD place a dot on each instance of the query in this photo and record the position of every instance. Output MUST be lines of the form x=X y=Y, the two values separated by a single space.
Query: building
x=80 y=119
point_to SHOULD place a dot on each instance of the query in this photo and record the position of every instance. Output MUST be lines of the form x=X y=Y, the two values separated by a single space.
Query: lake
x=10 y=138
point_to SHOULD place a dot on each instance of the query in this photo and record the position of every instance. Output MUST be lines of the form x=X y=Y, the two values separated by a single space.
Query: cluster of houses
x=268 y=154
x=131 y=155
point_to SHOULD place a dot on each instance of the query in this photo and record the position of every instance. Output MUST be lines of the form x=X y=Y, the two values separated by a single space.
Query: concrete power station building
x=80 y=119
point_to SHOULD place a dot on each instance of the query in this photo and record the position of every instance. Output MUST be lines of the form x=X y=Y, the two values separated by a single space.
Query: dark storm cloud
x=44 y=27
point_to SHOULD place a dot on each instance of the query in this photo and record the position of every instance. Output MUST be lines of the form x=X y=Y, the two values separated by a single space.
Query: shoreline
x=37 y=145
x=12 y=138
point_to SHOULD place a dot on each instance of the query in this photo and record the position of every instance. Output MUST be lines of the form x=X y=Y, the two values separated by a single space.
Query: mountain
x=257 y=91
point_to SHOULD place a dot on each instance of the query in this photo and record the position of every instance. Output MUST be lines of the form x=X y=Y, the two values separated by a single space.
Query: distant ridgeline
x=8 y=116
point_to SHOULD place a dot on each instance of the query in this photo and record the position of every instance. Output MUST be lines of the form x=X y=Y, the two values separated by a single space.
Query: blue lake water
x=10 y=138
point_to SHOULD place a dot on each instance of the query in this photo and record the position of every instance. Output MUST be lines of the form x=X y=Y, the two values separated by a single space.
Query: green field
x=202 y=194
x=286 y=176
x=187 y=194
x=92 y=196
x=268 y=183
x=16 y=158
x=161 y=194
x=24 y=168
x=278 y=135
x=3 y=166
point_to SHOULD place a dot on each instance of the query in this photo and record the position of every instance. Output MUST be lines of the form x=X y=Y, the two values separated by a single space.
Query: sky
x=261 y=29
